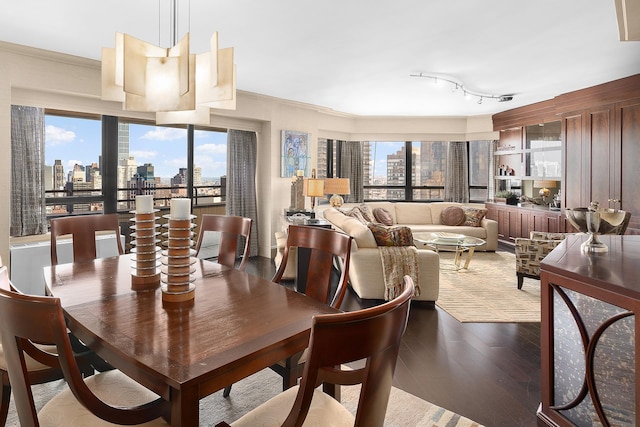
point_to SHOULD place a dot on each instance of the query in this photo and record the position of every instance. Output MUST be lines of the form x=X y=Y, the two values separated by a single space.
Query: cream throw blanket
x=398 y=261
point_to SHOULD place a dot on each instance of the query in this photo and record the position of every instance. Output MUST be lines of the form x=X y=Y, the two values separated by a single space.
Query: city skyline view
x=78 y=141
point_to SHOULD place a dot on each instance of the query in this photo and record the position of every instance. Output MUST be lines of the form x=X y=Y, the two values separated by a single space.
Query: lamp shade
x=337 y=186
x=313 y=187
x=544 y=184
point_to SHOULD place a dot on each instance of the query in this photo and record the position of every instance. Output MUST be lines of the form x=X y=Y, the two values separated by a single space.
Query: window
x=384 y=168
x=72 y=163
x=150 y=160
x=429 y=173
x=385 y=171
x=479 y=171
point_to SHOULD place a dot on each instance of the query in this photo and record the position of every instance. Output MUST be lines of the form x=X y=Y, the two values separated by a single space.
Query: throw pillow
x=383 y=216
x=362 y=213
x=453 y=215
x=367 y=213
x=391 y=236
x=473 y=216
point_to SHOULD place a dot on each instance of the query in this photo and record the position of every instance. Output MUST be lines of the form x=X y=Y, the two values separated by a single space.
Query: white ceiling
x=356 y=56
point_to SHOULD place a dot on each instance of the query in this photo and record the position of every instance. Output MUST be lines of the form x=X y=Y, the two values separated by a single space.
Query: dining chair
x=83 y=230
x=324 y=247
x=39 y=373
x=232 y=229
x=84 y=402
x=371 y=335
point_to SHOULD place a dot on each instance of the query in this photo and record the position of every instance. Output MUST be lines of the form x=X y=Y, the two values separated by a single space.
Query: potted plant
x=506 y=196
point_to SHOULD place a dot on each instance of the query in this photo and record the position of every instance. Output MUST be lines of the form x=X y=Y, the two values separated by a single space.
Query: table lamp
x=544 y=189
x=337 y=187
x=313 y=188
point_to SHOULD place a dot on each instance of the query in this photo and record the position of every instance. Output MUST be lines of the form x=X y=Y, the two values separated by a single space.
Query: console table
x=589 y=330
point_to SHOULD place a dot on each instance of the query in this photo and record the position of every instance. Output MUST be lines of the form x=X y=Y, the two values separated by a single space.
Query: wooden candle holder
x=146 y=254
x=178 y=263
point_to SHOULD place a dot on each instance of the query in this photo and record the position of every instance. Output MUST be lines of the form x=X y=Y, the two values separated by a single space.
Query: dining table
x=236 y=325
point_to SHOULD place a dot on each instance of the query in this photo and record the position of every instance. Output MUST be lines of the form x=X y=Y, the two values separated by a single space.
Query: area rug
x=487 y=291
x=404 y=409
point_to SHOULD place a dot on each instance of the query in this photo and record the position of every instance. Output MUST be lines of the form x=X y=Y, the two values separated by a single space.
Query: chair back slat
x=83 y=231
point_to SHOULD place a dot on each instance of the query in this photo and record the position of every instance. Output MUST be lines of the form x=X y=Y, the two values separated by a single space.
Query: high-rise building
x=179 y=180
x=123 y=141
x=58 y=175
x=127 y=168
x=146 y=172
x=77 y=174
x=197 y=176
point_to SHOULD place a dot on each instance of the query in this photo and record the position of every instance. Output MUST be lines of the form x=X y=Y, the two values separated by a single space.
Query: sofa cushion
x=413 y=213
x=391 y=236
x=474 y=216
x=383 y=216
x=453 y=215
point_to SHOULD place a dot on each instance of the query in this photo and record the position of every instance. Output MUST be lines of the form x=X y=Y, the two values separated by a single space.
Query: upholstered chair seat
x=324 y=410
x=112 y=387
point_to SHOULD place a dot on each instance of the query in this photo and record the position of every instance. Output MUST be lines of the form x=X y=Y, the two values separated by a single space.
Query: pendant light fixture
x=178 y=86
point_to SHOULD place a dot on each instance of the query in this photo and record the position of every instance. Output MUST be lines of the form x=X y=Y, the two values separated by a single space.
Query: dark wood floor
x=488 y=372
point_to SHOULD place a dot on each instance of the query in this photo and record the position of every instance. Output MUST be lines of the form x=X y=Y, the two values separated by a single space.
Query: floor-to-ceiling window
x=410 y=170
x=149 y=160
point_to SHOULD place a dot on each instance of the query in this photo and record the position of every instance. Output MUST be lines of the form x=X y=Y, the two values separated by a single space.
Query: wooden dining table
x=237 y=325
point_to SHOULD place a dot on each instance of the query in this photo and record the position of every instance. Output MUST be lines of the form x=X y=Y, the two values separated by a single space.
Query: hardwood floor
x=488 y=372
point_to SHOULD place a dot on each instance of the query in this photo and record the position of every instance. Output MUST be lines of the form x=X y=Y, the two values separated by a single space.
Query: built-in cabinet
x=603 y=151
x=599 y=147
x=515 y=221
x=528 y=159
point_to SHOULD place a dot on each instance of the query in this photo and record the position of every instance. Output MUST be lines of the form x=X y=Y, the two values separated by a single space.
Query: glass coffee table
x=458 y=243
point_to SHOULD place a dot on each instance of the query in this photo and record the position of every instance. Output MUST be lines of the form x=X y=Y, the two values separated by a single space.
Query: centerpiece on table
x=178 y=257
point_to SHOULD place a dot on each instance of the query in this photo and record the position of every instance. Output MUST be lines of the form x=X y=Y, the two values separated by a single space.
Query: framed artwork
x=295 y=153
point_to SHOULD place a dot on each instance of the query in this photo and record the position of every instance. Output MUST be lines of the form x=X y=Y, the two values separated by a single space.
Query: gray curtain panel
x=352 y=167
x=456 y=182
x=242 y=148
x=491 y=184
x=28 y=209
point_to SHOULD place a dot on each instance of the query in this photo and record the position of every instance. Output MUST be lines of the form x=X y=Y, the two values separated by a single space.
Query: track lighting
x=468 y=94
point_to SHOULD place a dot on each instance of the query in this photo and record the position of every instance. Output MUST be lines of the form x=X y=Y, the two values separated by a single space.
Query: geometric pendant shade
x=178 y=86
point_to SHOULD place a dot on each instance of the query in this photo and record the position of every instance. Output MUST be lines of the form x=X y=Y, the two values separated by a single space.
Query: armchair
x=529 y=253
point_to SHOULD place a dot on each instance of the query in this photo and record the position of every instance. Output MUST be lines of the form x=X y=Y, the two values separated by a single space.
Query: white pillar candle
x=144 y=204
x=300 y=172
x=180 y=208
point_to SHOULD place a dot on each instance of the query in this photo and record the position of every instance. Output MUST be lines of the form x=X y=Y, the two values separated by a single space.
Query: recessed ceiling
x=357 y=57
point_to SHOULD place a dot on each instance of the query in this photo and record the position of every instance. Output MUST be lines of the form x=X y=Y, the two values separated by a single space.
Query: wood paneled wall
x=601 y=141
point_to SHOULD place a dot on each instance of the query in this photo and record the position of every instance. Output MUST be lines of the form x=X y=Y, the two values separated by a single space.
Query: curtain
x=351 y=166
x=28 y=209
x=242 y=147
x=456 y=180
x=491 y=184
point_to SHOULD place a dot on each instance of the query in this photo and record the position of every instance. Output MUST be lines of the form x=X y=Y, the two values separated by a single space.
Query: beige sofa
x=365 y=273
x=425 y=217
